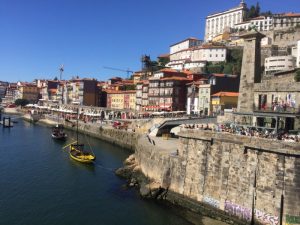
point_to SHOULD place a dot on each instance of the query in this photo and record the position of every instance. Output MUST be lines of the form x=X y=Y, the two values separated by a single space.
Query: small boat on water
x=77 y=151
x=58 y=132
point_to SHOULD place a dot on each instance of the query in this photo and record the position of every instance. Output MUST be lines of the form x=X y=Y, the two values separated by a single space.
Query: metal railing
x=278 y=109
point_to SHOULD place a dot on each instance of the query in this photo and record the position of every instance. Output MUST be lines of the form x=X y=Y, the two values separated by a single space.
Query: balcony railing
x=278 y=109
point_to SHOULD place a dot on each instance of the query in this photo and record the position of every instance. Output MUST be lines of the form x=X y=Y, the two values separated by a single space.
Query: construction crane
x=117 y=69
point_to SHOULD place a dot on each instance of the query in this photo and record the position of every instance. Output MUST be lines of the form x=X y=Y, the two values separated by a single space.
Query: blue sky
x=37 y=36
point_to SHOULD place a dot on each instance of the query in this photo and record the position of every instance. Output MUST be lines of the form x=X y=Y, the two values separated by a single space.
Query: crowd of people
x=247 y=131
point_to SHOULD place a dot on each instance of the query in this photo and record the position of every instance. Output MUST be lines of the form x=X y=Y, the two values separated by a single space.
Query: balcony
x=281 y=109
x=153 y=94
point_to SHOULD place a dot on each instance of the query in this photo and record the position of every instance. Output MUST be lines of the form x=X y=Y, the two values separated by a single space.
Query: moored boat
x=58 y=132
x=77 y=151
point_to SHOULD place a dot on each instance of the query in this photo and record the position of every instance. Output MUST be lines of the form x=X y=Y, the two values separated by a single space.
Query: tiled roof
x=226 y=94
x=164 y=55
x=120 y=92
x=190 y=38
x=175 y=78
x=224 y=75
x=291 y=14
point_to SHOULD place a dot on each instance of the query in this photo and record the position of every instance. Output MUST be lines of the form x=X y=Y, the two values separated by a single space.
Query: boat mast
x=77 y=123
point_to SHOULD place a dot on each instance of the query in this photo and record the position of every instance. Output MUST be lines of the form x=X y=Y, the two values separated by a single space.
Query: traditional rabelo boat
x=77 y=151
x=58 y=132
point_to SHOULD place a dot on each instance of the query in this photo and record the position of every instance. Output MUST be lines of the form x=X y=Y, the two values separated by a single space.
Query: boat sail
x=77 y=151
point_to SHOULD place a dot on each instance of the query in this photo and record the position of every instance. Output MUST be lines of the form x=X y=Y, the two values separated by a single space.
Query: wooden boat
x=77 y=151
x=58 y=132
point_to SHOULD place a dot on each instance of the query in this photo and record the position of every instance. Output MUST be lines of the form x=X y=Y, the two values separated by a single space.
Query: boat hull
x=58 y=137
x=80 y=156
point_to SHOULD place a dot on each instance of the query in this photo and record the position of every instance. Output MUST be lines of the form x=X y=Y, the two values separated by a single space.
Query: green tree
x=267 y=13
x=257 y=9
x=297 y=76
x=55 y=78
x=21 y=102
x=253 y=12
x=228 y=68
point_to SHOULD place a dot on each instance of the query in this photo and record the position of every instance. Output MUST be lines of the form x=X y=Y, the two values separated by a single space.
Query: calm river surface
x=40 y=185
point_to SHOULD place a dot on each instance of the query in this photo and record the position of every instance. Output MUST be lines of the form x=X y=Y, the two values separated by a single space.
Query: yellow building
x=29 y=92
x=121 y=99
x=130 y=100
x=224 y=100
x=221 y=37
x=115 y=100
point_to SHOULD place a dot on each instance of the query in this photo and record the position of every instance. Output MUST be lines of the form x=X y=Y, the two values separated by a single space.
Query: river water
x=41 y=185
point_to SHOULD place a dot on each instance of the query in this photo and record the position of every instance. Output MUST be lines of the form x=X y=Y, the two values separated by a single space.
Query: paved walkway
x=165 y=146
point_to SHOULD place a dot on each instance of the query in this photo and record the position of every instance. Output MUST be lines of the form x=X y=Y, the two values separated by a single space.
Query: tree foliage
x=297 y=76
x=232 y=66
x=253 y=12
x=21 y=102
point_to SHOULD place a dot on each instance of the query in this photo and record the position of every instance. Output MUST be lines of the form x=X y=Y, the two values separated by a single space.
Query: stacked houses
x=183 y=84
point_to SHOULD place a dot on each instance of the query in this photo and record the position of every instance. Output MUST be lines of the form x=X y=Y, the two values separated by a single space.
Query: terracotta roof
x=226 y=94
x=291 y=14
x=120 y=92
x=168 y=70
x=164 y=55
x=258 y=18
x=223 y=75
x=190 y=38
x=175 y=78
x=53 y=90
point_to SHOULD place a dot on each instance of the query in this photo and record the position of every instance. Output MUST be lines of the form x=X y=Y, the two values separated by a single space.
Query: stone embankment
x=122 y=138
x=248 y=179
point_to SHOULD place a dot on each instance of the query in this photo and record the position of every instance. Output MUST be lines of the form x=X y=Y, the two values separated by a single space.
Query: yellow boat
x=77 y=153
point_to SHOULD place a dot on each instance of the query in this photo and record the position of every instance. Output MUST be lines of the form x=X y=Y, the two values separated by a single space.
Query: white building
x=181 y=55
x=287 y=20
x=262 y=23
x=209 y=53
x=242 y=26
x=296 y=53
x=217 y=22
x=266 y=41
x=185 y=44
x=279 y=63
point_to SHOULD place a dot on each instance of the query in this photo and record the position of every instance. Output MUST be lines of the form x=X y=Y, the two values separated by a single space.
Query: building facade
x=215 y=83
x=217 y=22
x=286 y=20
x=275 y=64
x=185 y=44
x=28 y=91
x=223 y=100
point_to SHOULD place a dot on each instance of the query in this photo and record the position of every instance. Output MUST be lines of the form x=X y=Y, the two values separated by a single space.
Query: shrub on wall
x=297 y=76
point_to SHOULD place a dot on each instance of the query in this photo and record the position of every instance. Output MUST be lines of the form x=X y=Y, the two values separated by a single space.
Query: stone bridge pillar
x=251 y=71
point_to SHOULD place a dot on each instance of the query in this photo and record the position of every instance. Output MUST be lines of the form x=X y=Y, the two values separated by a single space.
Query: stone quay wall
x=122 y=138
x=247 y=178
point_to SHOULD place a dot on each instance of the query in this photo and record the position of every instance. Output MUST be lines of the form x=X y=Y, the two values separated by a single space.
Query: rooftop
x=226 y=94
